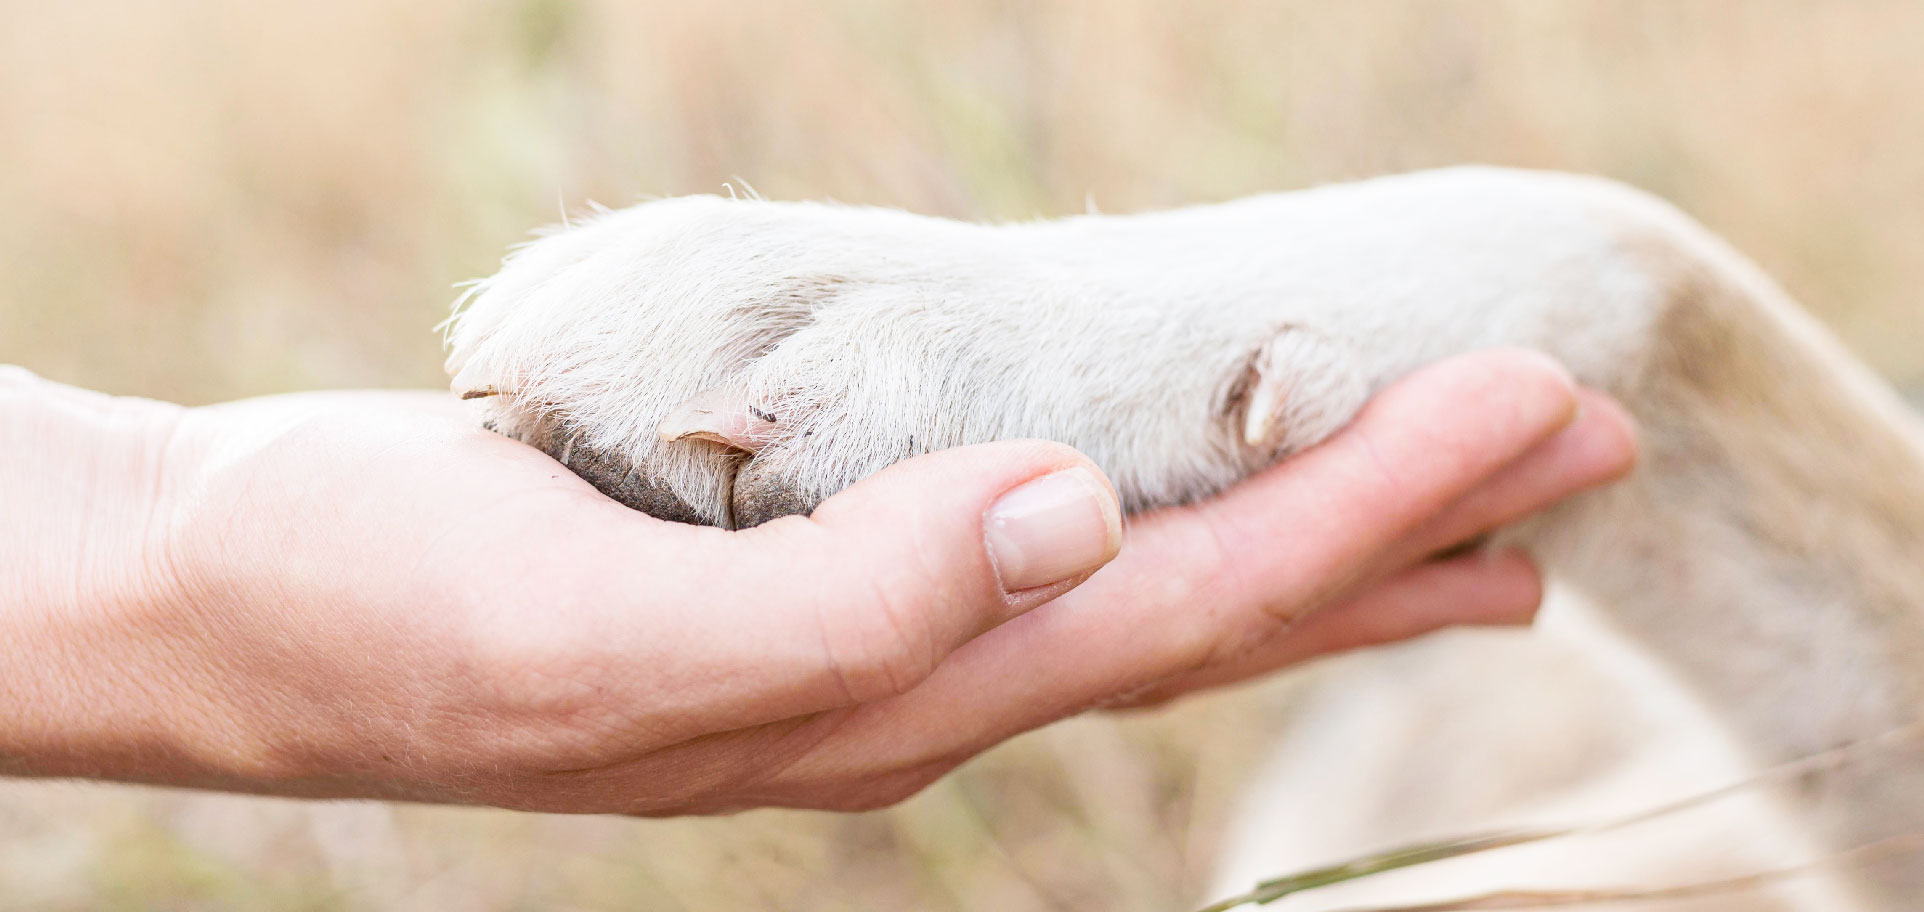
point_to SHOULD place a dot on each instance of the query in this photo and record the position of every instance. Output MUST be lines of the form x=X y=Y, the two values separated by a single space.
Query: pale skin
x=361 y=594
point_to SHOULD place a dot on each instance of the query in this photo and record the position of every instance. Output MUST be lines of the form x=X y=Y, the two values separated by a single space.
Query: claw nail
x=720 y=416
x=1259 y=419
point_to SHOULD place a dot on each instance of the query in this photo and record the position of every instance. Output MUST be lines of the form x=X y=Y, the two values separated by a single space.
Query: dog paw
x=730 y=361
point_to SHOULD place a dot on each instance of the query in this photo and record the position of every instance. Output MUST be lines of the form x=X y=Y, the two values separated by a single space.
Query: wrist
x=87 y=573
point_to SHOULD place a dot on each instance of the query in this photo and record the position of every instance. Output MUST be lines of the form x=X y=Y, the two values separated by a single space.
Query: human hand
x=361 y=594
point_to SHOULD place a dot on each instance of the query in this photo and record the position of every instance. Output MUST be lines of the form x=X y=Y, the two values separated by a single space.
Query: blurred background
x=208 y=199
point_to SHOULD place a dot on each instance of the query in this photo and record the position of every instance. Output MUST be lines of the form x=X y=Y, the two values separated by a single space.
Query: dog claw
x=721 y=416
x=1259 y=419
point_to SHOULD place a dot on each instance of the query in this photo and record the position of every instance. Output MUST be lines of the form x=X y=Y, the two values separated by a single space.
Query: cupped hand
x=363 y=594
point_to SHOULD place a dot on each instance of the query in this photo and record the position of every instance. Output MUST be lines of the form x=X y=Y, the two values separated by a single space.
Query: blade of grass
x=1704 y=889
x=1269 y=891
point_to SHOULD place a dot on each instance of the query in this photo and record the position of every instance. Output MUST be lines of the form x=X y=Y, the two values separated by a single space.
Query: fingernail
x=1053 y=528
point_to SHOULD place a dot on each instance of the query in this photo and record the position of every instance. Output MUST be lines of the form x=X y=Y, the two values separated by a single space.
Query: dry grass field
x=208 y=199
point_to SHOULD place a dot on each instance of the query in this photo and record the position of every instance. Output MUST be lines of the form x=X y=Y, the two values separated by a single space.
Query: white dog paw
x=727 y=362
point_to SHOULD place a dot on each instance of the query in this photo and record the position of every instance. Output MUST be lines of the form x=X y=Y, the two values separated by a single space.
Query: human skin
x=362 y=594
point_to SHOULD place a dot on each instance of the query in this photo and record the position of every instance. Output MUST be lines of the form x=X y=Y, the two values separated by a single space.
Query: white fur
x=879 y=334
x=1765 y=553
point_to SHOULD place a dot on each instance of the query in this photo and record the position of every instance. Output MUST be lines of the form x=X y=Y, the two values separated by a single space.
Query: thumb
x=907 y=565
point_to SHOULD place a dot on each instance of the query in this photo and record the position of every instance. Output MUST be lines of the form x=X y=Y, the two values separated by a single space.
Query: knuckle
x=877 y=628
x=882 y=645
x=1246 y=604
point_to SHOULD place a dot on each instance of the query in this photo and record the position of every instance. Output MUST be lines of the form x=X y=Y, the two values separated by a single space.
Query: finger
x=1482 y=589
x=857 y=602
x=931 y=553
x=1598 y=448
x=1479 y=589
x=1198 y=585
x=1422 y=445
